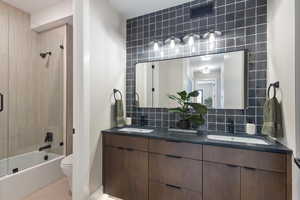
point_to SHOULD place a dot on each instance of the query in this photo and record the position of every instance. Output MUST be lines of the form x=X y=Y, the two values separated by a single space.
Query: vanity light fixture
x=212 y=35
x=156 y=44
x=172 y=42
x=190 y=39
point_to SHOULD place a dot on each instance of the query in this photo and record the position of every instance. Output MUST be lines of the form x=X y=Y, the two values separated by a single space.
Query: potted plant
x=191 y=113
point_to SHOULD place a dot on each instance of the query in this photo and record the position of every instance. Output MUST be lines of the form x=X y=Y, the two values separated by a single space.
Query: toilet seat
x=67 y=166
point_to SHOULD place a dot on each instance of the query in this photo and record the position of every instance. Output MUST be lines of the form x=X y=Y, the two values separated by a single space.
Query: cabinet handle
x=173 y=186
x=250 y=168
x=121 y=148
x=172 y=156
x=173 y=141
x=2 y=102
x=129 y=149
x=233 y=166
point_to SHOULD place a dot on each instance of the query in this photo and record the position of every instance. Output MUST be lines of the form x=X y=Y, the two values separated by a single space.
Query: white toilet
x=67 y=167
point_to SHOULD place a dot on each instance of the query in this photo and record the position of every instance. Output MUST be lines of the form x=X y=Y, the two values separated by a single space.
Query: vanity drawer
x=182 y=172
x=245 y=158
x=159 y=191
x=130 y=142
x=186 y=150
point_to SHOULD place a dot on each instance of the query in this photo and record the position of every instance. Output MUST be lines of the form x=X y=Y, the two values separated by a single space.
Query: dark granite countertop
x=201 y=138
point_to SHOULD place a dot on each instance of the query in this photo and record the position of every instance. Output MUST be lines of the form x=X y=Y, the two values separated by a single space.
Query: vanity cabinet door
x=221 y=182
x=262 y=185
x=114 y=172
x=136 y=169
x=126 y=173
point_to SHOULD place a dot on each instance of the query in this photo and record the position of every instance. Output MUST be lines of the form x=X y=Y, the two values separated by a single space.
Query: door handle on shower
x=2 y=102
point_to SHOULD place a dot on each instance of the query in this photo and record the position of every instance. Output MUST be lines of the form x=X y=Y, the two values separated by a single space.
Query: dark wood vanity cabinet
x=126 y=170
x=137 y=168
x=244 y=174
x=222 y=181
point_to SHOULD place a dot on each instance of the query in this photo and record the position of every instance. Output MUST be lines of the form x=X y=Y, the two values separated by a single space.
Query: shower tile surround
x=244 y=26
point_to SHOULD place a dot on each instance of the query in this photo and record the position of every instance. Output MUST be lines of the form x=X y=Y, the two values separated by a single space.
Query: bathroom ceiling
x=134 y=8
x=31 y=6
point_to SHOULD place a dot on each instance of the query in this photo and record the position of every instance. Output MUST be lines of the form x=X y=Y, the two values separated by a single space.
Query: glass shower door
x=3 y=136
x=3 y=89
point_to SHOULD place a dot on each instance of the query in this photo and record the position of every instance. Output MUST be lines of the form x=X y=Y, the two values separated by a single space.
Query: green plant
x=192 y=112
x=208 y=102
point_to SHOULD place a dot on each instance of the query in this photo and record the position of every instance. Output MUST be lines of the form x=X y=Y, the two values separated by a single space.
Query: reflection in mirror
x=219 y=78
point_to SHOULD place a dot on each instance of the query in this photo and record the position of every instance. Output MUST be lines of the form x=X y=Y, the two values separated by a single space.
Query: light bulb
x=156 y=46
x=191 y=41
x=193 y=49
x=212 y=37
x=172 y=44
x=211 y=45
x=212 y=40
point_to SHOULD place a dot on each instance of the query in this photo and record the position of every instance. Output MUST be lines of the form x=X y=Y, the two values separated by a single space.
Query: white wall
x=282 y=67
x=297 y=28
x=281 y=58
x=108 y=67
x=81 y=150
x=52 y=16
x=100 y=44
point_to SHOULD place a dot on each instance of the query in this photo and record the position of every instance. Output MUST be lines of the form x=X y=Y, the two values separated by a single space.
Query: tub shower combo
x=33 y=104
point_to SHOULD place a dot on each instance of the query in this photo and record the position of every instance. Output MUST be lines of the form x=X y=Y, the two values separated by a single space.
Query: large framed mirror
x=221 y=80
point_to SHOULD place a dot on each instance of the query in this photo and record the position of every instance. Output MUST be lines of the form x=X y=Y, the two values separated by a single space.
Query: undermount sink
x=136 y=130
x=238 y=139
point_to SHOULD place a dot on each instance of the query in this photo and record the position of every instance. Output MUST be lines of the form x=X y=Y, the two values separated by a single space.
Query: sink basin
x=136 y=130
x=238 y=139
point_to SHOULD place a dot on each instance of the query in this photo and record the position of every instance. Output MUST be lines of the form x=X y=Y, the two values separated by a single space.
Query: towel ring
x=274 y=86
x=117 y=91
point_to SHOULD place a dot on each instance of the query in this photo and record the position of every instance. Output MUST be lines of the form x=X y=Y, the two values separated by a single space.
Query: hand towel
x=272 y=125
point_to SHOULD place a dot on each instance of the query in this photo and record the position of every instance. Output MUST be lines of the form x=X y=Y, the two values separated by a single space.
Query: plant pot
x=183 y=124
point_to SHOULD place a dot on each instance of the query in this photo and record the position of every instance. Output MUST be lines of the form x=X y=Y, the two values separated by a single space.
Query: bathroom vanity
x=166 y=165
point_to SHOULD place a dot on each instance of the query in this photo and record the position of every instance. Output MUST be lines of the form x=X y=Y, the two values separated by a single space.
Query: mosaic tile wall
x=244 y=26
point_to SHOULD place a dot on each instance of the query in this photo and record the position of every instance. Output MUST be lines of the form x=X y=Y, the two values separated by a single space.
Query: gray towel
x=137 y=103
x=272 y=119
x=119 y=113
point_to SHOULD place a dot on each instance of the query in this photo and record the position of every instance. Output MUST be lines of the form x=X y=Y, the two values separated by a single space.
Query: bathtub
x=27 y=173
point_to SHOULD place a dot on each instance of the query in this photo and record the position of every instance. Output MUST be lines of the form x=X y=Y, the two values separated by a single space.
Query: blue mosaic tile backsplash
x=244 y=26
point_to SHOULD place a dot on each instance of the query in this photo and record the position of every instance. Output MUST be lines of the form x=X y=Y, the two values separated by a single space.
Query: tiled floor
x=56 y=191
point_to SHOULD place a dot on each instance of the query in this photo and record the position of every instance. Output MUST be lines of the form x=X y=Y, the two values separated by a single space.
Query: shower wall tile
x=244 y=26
